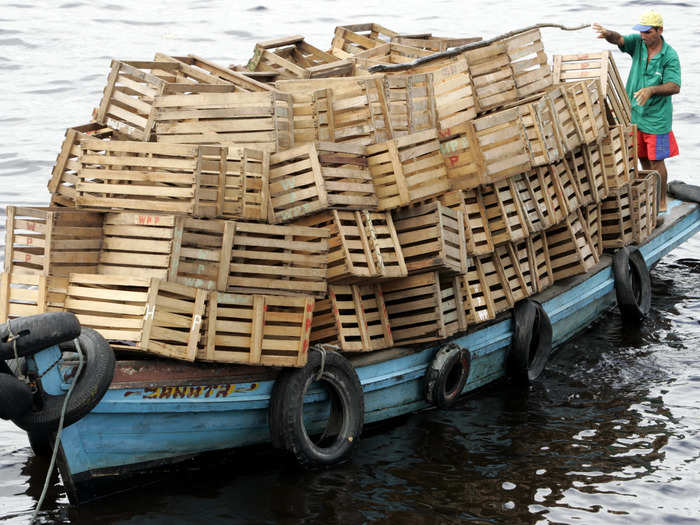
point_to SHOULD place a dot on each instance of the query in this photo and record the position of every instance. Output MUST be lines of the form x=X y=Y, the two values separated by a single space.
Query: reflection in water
x=611 y=434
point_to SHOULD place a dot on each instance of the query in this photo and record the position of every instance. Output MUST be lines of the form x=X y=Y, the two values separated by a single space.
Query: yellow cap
x=648 y=20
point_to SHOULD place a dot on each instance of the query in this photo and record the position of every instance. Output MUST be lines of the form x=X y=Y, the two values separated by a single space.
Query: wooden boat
x=159 y=412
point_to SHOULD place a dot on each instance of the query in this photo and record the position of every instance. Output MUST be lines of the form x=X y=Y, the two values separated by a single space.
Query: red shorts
x=656 y=147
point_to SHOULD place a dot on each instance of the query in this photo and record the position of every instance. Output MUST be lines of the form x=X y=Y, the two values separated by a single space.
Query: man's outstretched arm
x=611 y=36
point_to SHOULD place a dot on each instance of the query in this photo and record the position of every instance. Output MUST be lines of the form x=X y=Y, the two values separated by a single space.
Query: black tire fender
x=35 y=332
x=447 y=375
x=531 y=344
x=15 y=397
x=632 y=283
x=286 y=412
x=91 y=385
x=683 y=191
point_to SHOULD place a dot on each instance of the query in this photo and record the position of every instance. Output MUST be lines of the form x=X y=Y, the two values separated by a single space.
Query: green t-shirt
x=656 y=116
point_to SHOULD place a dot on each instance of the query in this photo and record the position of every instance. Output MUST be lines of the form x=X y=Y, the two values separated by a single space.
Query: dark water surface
x=611 y=434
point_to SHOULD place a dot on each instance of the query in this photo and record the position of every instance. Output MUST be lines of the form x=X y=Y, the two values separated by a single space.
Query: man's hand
x=610 y=36
x=602 y=32
x=643 y=95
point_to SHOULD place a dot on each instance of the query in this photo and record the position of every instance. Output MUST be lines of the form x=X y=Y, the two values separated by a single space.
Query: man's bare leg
x=660 y=166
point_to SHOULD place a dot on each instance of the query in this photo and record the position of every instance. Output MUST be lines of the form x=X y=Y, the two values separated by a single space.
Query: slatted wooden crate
x=388 y=53
x=654 y=186
x=557 y=116
x=493 y=78
x=362 y=245
x=151 y=315
x=185 y=114
x=620 y=156
x=566 y=186
x=432 y=237
x=407 y=169
x=152 y=177
x=354 y=317
x=411 y=103
x=588 y=109
x=569 y=248
x=355 y=38
x=246 y=191
x=601 y=66
x=23 y=294
x=545 y=190
x=541 y=138
x=201 y=252
x=64 y=176
x=452 y=304
x=471 y=204
x=616 y=219
x=52 y=241
x=596 y=169
x=503 y=145
x=207 y=72
x=137 y=244
x=455 y=100
x=414 y=307
x=521 y=254
x=292 y=57
x=516 y=279
x=477 y=301
x=316 y=177
x=528 y=62
x=643 y=204
x=530 y=198
x=462 y=157
x=256 y=329
x=496 y=285
x=592 y=219
x=355 y=111
x=543 y=276
x=504 y=214
x=576 y=161
x=273 y=259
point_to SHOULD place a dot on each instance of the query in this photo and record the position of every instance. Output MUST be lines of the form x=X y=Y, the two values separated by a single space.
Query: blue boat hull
x=137 y=426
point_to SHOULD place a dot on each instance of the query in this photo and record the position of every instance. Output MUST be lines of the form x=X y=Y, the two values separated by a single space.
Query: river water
x=611 y=433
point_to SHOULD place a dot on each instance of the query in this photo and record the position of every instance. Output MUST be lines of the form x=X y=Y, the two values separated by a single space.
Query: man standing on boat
x=655 y=76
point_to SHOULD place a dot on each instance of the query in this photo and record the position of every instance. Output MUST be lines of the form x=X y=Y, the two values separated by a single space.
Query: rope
x=13 y=338
x=322 y=350
x=60 y=430
x=466 y=47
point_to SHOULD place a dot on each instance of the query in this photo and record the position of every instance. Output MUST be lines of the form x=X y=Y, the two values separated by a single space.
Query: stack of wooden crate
x=241 y=214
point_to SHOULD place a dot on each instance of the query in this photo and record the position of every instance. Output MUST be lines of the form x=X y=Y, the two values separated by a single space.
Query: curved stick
x=466 y=47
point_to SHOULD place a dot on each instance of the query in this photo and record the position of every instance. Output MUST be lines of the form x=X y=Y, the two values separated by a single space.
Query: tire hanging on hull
x=532 y=342
x=447 y=375
x=632 y=284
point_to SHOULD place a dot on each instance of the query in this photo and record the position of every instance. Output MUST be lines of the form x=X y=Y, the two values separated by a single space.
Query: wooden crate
x=496 y=285
x=494 y=82
x=616 y=219
x=576 y=161
x=207 y=72
x=388 y=53
x=569 y=247
x=64 y=176
x=292 y=57
x=23 y=294
x=501 y=140
x=642 y=204
x=532 y=201
x=557 y=116
x=566 y=187
x=592 y=218
x=362 y=245
x=414 y=307
x=462 y=157
x=528 y=62
x=541 y=138
x=151 y=315
x=471 y=204
x=185 y=114
x=411 y=103
x=544 y=189
x=52 y=241
x=504 y=214
x=654 y=185
x=202 y=249
x=601 y=66
x=137 y=244
x=620 y=156
x=432 y=237
x=514 y=267
x=587 y=107
x=595 y=167
x=256 y=329
x=452 y=304
x=356 y=38
x=355 y=111
x=354 y=317
x=317 y=177
x=455 y=101
x=246 y=191
x=273 y=259
x=155 y=177
x=476 y=299
x=408 y=169
x=543 y=276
